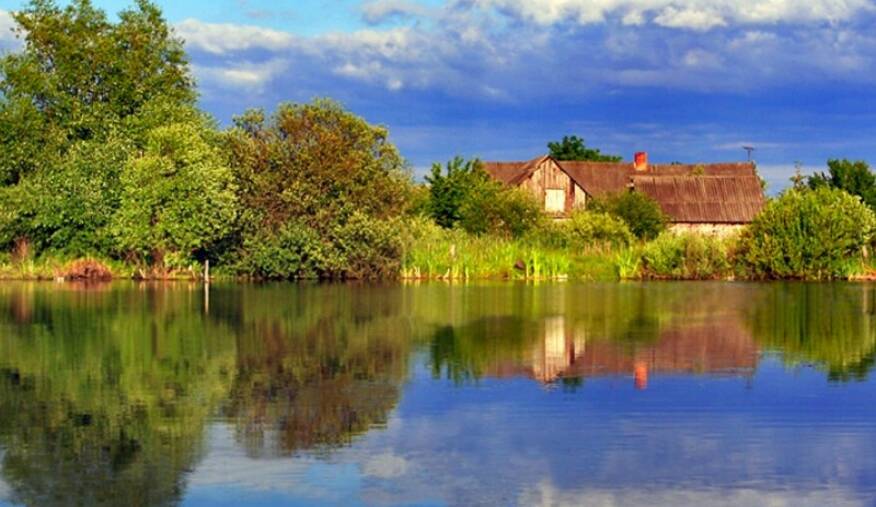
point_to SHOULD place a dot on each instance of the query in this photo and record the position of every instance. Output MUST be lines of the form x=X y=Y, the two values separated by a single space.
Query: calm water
x=639 y=394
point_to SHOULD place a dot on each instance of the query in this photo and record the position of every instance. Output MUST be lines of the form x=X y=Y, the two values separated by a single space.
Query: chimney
x=641 y=161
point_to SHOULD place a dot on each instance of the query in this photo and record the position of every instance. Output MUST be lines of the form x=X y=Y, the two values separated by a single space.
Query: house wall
x=548 y=175
x=717 y=230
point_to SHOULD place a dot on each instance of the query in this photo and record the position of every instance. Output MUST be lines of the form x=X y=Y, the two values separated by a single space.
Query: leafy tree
x=177 y=197
x=573 y=148
x=450 y=187
x=641 y=213
x=303 y=176
x=808 y=234
x=855 y=178
x=70 y=103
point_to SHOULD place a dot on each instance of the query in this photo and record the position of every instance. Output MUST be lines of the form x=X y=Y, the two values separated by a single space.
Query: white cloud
x=241 y=75
x=223 y=38
x=385 y=466
x=691 y=14
x=693 y=18
x=545 y=493
x=378 y=11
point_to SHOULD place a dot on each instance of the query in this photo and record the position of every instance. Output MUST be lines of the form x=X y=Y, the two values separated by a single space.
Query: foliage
x=452 y=186
x=573 y=148
x=431 y=251
x=808 y=234
x=69 y=104
x=493 y=208
x=641 y=213
x=177 y=197
x=592 y=227
x=686 y=256
x=308 y=180
x=855 y=178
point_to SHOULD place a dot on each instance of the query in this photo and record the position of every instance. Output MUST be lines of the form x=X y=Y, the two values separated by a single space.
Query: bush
x=177 y=197
x=641 y=213
x=295 y=251
x=367 y=248
x=359 y=248
x=490 y=208
x=596 y=228
x=687 y=256
x=808 y=234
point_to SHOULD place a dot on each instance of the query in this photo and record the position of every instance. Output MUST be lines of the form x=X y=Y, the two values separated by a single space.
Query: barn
x=713 y=198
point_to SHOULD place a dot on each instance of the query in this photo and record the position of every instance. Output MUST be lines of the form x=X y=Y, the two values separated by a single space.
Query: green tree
x=808 y=234
x=573 y=148
x=178 y=197
x=641 y=213
x=855 y=178
x=451 y=186
x=308 y=179
x=68 y=104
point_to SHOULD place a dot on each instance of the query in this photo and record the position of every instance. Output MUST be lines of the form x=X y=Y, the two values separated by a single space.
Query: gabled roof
x=513 y=173
x=705 y=199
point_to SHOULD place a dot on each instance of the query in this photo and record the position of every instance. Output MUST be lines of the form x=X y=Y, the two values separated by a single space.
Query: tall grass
x=432 y=252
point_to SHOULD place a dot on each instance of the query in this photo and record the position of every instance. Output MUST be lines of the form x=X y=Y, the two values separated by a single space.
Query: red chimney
x=641 y=161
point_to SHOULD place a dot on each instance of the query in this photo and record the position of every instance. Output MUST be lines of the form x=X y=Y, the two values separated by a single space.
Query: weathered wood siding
x=548 y=175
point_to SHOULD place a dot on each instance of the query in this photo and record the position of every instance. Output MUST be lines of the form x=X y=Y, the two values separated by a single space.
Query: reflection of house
x=714 y=197
x=721 y=347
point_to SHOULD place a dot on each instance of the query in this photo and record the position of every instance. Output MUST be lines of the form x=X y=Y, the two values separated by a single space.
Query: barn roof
x=599 y=178
x=705 y=199
x=512 y=173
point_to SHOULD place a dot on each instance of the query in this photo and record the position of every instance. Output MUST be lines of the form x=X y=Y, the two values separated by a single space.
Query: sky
x=684 y=80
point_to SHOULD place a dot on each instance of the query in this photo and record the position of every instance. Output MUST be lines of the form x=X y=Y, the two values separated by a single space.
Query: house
x=713 y=198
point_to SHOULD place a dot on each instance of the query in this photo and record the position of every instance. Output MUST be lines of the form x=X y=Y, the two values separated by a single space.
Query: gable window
x=555 y=200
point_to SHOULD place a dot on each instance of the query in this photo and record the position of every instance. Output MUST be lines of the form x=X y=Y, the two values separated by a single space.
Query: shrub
x=294 y=251
x=687 y=256
x=177 y=197
x=490 y=208
x=808 y=234
x=592 y=227
x=641 y=213
x=451 y=187
x=367 y=248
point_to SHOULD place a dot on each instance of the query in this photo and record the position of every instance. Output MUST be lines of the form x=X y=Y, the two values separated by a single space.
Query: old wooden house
x=713 y=198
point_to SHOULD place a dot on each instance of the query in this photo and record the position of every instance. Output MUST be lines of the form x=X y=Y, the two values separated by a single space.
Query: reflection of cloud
x=228 y=467
x=547 y=494
x=385 y=466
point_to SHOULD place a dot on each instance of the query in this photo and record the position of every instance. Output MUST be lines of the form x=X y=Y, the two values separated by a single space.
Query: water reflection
x=108 y=393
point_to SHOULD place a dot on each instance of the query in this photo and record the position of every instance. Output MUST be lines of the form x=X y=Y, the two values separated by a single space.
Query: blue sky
x=685 y=80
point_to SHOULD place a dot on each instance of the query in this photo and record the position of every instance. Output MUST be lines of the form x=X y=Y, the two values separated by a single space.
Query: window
x=555 y=200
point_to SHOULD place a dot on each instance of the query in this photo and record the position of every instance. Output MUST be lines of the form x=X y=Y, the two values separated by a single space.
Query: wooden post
x=207 y=271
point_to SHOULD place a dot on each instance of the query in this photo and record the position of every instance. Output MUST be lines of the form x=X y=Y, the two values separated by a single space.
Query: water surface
x=615 y=394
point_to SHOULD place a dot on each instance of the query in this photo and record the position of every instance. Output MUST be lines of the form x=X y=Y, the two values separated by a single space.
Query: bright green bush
x=641 y=213
x=295 y=251
x=687 y=256
x=490 y=208
x=808 y=234
x=586 y=228
x=178 y=197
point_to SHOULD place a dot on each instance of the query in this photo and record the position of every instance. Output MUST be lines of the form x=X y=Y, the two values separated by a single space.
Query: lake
x=495 y=394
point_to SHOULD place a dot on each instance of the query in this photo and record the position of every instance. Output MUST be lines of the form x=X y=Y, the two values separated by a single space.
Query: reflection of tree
x=831 y=325
x=318 y=378
x=101 y=401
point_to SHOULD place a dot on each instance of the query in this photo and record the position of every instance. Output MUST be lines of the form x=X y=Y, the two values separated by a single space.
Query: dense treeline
x=114 y=161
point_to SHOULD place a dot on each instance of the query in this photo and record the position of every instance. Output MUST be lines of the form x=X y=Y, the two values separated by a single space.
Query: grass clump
x=687 y=256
